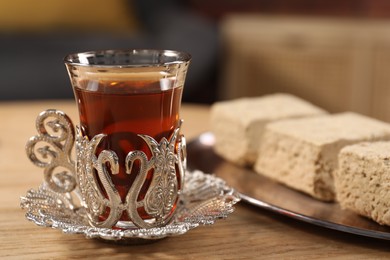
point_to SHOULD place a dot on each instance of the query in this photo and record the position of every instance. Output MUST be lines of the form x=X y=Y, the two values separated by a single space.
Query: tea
x=133 y=167
x=123 y=109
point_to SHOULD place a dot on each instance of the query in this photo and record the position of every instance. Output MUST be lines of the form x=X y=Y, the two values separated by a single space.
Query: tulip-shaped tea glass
x=130 y=156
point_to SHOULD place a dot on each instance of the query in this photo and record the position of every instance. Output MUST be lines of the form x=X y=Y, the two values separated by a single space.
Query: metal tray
x=268 y=194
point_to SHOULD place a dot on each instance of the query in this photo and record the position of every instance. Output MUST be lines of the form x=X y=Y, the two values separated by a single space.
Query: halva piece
x=238 y=124
x=302 y=153
x=363 y=180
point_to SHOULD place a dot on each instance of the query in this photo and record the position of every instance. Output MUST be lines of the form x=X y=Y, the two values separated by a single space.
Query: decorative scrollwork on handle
x=51 y=149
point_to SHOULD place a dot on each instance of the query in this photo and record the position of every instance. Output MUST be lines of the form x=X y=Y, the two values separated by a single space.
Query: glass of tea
x=130 y=154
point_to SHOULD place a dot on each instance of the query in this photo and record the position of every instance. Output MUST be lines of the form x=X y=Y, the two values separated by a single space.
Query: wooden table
x=248 y=233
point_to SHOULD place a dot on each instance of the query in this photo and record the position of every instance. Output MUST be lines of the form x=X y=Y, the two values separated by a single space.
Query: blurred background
x=335 y=54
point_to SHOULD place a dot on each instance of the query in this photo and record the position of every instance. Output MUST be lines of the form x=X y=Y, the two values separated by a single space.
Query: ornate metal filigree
x=164 y=188
x=161 y=195
x=204 y=199
x=90 y=180
x=51 y=149
x=92 y=196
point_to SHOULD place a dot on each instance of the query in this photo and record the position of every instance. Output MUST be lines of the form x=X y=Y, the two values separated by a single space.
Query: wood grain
x=247 y=234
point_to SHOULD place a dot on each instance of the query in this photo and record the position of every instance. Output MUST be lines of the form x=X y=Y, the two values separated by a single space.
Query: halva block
x=239 y=124
x=363 y=180
x=302 y=153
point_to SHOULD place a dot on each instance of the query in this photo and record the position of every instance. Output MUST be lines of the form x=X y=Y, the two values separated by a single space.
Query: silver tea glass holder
x=76 y=192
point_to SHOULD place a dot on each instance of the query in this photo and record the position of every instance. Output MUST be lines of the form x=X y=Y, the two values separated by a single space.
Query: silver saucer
x=204 y=200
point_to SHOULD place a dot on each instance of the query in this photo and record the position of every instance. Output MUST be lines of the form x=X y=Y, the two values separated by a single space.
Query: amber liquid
x=122 y=110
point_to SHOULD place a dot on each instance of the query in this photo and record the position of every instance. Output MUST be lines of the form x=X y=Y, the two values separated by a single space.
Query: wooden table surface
x=246 y=234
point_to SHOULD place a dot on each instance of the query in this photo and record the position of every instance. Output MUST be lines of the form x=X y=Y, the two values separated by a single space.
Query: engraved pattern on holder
x=163 y=193
x=92 y=196
x=160 y=197
x=51 y=149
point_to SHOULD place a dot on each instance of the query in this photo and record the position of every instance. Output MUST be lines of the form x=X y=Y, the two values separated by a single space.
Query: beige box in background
x=363 y=180
x=337 y=64
x=238 y=124
x=302 y=153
